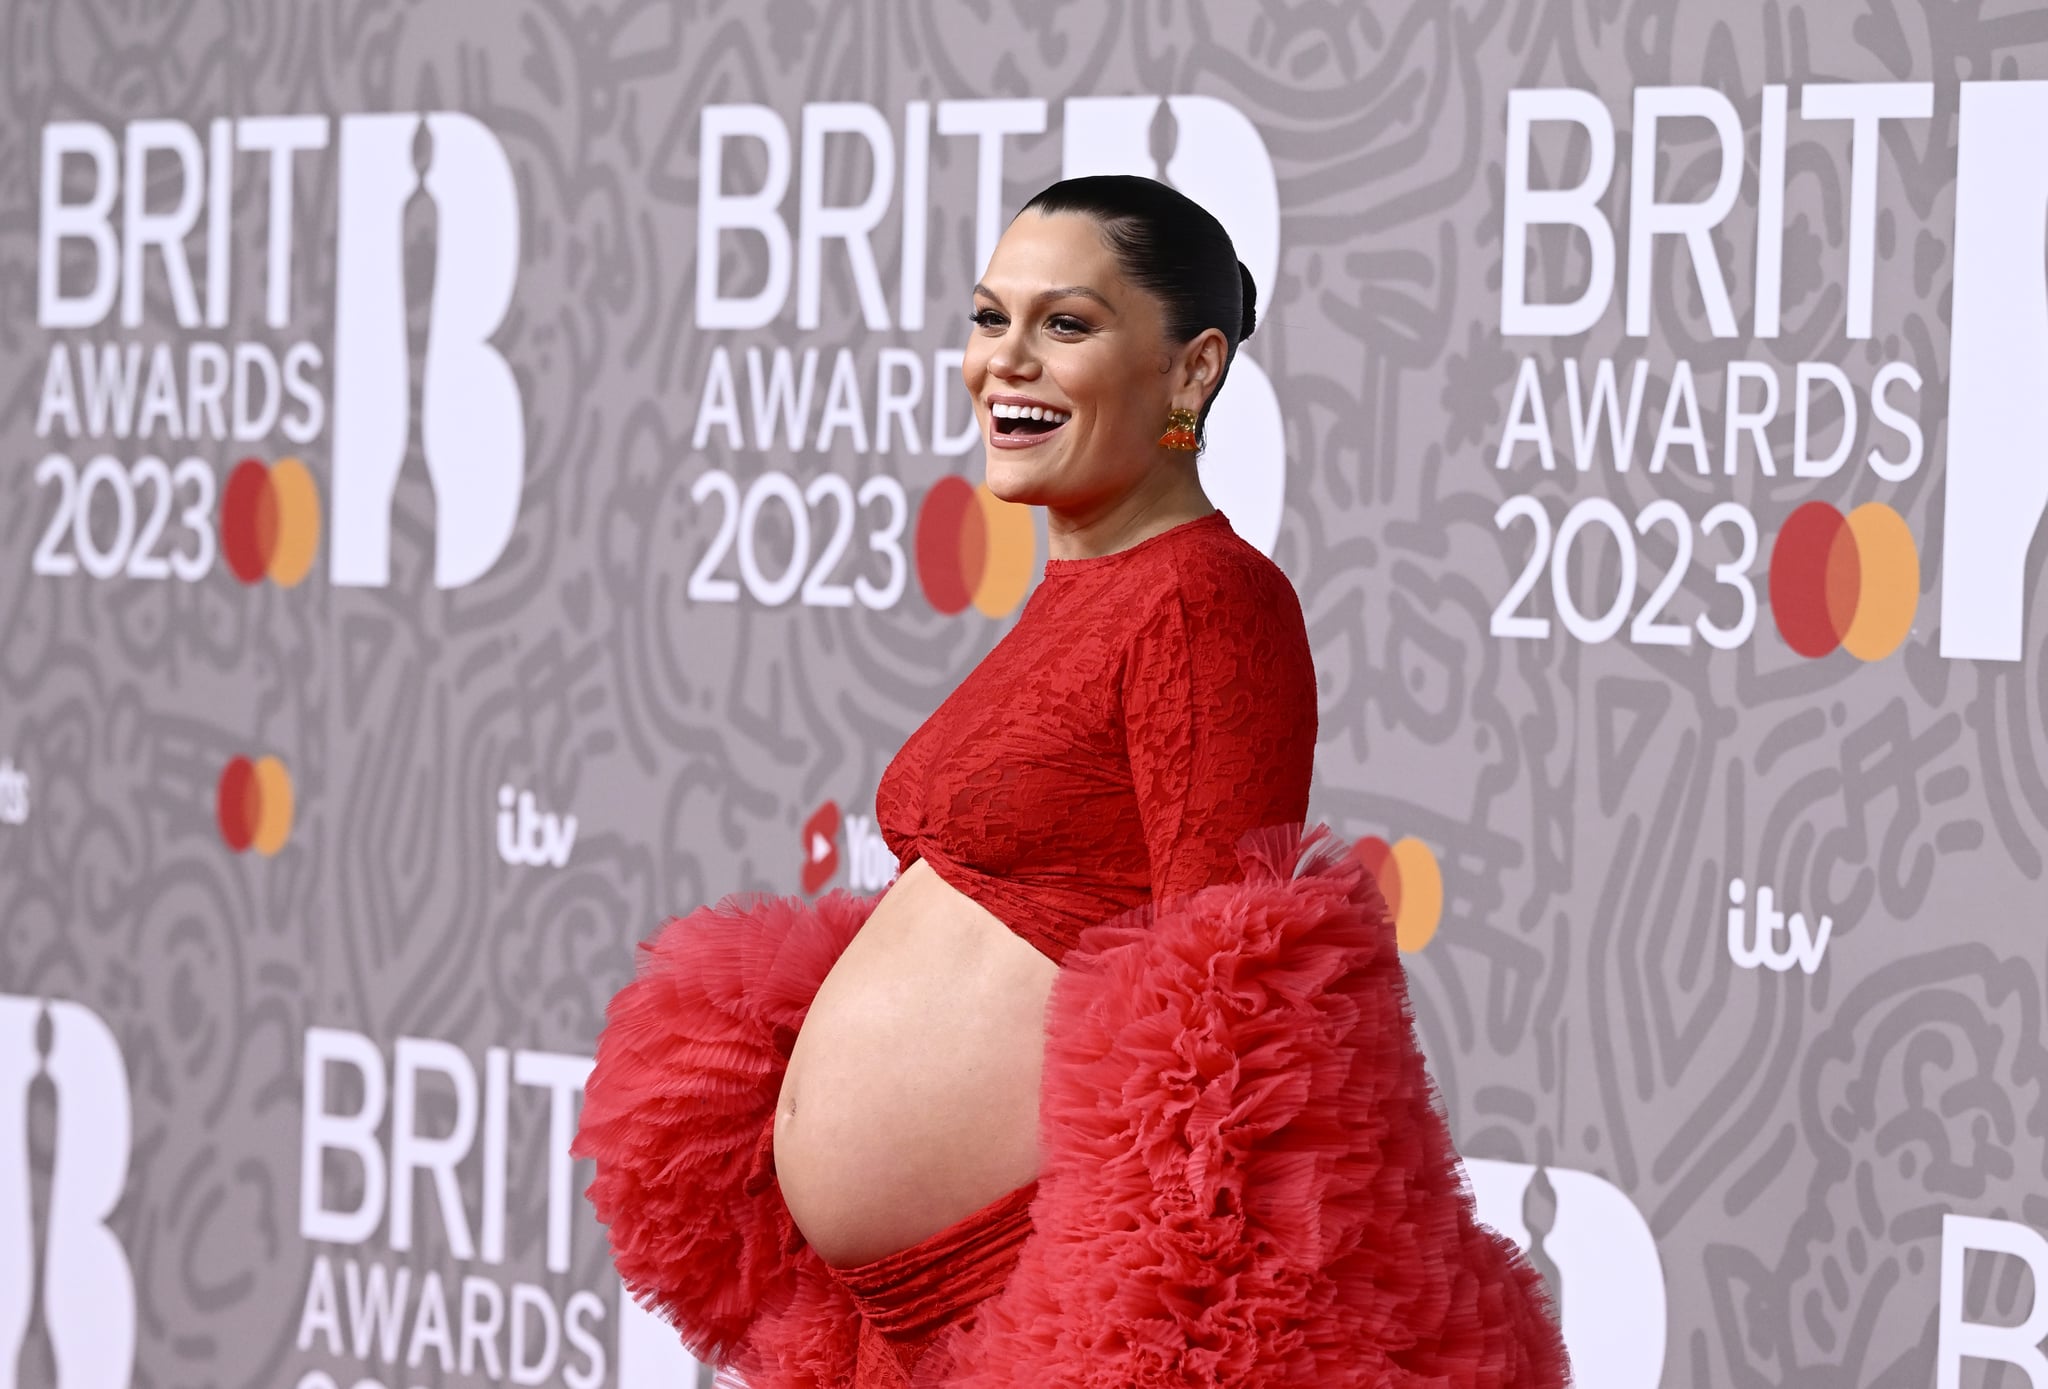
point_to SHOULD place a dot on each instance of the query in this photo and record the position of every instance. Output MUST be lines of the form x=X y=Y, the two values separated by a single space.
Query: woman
x=1116 y=1083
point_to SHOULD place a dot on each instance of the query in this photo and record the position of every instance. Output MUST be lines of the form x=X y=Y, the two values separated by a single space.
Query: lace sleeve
x=1219 y=711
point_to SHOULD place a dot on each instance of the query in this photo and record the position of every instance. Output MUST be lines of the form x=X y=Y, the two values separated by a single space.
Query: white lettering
x=58 y=402
x=280 y=137
x=1526 y=420
x=563 y=1077
x=1770 y=214
x=1864 y=104
x=141 y=228
x=1621 y=438
x=1738 y=421
x=1577 y=206
x=1690 y=433
x=322 y=1312
x=1894 y=418
x=719 y=403
x=781 y=390
x=842 y=406
x=89 y=221
x=817 y=222
x=989 y=121
x=893 y=407
x=1648 y=218
x=759 y=211
x=413 y=1151
x=1957 y=1340
x=1750 y=949
x=355 y=1133
x=1803 y=463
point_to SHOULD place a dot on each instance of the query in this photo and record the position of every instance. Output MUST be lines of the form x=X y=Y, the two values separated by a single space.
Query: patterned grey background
x=1792 y=1142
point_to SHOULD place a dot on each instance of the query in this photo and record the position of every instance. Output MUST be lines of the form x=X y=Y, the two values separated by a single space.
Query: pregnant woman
x=1116 y=1083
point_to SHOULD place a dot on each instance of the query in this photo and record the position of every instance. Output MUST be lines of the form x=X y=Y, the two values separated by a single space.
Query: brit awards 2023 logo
x=856 y=543
x=1833 y=583
x=121 y=397
x=1837 y=581
x=429 y=1178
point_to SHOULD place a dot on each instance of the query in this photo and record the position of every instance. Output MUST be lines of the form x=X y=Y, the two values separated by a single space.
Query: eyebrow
x=1047 y=296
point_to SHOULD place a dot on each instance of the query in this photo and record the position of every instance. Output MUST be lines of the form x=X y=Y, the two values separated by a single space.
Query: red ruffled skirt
x=1246 y=1177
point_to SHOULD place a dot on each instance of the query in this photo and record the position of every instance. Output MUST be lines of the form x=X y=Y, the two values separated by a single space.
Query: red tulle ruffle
x=1247 y=1179
x=679 y=1115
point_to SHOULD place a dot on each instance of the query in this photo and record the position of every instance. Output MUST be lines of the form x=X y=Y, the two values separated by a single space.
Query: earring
x=1180 y=433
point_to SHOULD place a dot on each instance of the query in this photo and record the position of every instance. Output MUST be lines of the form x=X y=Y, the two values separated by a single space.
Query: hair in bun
x=1251 y=303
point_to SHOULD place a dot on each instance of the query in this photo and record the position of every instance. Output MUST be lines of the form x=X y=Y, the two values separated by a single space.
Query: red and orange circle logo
x=1412 y=883
x=973 y=547
x=270 y=521
x=254 y=805
x=1849 y=581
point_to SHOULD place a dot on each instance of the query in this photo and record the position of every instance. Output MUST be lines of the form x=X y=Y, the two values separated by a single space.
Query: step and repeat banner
x=480 y=477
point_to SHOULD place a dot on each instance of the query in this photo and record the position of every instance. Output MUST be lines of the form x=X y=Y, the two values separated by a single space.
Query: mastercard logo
x=254 y=805
x=973 y=547
x=1849 y=581
x=270 y=521
x=1413 y=885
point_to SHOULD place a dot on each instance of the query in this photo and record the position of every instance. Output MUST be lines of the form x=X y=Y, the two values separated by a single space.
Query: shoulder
x=1214 y=607
x=1216 y=579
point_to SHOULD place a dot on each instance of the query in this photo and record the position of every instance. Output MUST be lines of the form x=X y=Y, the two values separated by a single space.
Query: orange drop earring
x=1180 y=433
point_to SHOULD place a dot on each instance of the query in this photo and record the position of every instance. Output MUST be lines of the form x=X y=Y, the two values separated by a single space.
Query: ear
x=1199 y=369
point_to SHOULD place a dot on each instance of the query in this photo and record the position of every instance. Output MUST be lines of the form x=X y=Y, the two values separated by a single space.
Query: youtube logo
x=821 y=847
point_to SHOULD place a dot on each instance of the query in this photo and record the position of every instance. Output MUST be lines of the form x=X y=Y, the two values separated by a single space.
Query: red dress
x=1246 y=1180
x=1148 y=707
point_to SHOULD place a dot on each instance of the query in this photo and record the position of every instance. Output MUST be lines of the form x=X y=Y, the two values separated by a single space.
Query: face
x=1070 y=367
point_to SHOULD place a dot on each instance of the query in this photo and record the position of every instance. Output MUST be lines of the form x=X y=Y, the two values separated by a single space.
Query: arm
x=1219 y=707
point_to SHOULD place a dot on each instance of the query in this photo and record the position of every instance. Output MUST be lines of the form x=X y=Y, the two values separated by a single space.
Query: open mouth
x=1024 y=421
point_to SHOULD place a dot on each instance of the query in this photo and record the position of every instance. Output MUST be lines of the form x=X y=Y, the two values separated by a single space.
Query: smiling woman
x=1083 y=347
x=1116 y=1082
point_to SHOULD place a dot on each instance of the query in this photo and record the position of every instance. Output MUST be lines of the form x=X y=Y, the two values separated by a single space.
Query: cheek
x=974 y=363
x=1113 y=395
x=1093 y=379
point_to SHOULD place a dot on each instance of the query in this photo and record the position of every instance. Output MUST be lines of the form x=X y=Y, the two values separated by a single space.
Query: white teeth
x=1028 y=412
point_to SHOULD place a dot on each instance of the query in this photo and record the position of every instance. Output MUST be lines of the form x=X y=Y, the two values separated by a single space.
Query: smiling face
x=1071 y=370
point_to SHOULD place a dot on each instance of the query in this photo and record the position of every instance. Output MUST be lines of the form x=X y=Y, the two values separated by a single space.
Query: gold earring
x=1180 y=433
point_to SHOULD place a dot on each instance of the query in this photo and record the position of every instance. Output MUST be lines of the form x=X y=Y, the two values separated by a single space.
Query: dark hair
x=1170 y=246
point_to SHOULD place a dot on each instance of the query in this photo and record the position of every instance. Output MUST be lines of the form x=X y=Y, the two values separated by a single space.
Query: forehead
x=1039 y=251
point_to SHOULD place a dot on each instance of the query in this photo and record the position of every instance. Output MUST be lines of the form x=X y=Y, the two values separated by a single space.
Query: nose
x=1013 y=359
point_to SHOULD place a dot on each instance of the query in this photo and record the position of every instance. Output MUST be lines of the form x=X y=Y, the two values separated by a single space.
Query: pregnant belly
x=911 y=1096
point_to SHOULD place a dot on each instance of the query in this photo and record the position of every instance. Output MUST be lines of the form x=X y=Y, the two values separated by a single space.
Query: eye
x=989 y=319
x=1066 y=325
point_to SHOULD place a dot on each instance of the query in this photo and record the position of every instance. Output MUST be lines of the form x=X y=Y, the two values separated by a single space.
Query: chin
x=1009 y=480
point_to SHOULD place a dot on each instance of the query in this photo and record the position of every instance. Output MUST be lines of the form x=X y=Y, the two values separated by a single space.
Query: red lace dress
x=1247 y=1179
x=1148 y=707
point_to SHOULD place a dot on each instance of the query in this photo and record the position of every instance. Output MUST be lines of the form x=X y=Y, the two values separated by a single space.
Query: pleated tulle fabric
x=1247 y=1179
x=679 y=1114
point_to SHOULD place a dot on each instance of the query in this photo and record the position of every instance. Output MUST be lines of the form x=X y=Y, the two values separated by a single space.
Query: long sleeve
x=1218 y=700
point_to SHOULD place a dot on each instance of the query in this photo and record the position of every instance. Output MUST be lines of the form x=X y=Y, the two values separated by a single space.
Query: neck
x=1169 y=497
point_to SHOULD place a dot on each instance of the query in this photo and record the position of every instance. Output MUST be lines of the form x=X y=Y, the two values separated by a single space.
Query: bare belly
x=911 y=1097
